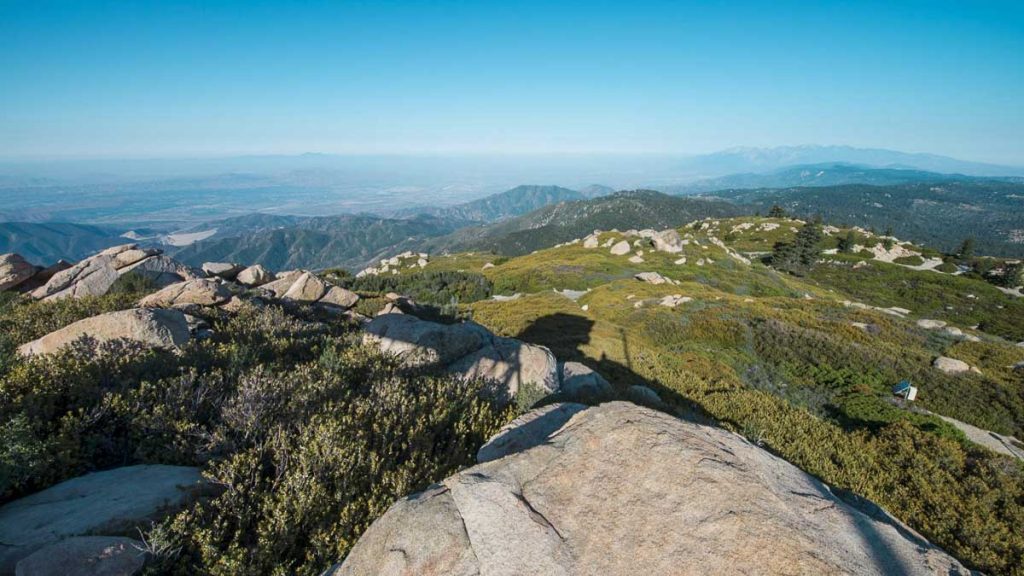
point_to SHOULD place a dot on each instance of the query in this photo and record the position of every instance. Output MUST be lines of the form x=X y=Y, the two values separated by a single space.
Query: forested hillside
x=938 y=214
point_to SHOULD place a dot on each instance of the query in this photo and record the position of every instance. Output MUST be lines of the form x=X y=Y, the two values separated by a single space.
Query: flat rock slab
x=109 y=502
x=86 y=556
x=226 y=270
x=200 y=291
x=156 y=328
x=624 y=490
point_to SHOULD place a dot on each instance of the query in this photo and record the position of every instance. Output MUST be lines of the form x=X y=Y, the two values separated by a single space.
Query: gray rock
x=621 y=248
x=668 y=241
x=162 y=270
x=306 y=288
x=579 y=381
x=625 y=490
x=90 y=277
x=101 y=503
x=643 y=395
x=156 y=328
x=421 y=343
x=529 y=430
x=86 y=556
x=225 y=270
x=650 y=277
x=929 y=324
x=338 y=296
x=279 y=287
x=254 y=276
x=201 y=291
x=951 y=365
x=14 y=270
x=510 y=364
x=132 y=256
x=43 y=276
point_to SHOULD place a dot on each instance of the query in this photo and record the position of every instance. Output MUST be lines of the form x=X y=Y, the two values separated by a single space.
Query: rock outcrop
x=254 y=276
x=619 y=489
x=14 y=270
x=340 y=297
x=153 y=327
x=199 y=292
x=95 y=275
x=101 y=503
x=225 y=270
x=307 y=287
x=466 y=349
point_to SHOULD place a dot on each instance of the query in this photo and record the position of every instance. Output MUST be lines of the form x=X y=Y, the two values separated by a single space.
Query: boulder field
x=619 y=489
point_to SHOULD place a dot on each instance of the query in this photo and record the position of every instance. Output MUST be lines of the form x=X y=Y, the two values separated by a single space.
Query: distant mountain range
x=936 y=208
x=514 y=202
x=828 y=174
x=760 y=160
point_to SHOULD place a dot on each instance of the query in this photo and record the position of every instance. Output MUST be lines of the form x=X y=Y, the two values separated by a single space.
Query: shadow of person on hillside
x=568 y=334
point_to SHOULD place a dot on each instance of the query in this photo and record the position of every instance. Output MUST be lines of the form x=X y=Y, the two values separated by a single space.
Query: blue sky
x=89 y=79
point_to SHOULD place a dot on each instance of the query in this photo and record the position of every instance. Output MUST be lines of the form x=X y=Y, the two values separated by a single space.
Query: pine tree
x=777 y=212
x=846 y=243
x=966 y=248
x=801 y=254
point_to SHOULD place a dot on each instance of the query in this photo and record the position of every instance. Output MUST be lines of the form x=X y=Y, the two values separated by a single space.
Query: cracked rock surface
x=620 y=489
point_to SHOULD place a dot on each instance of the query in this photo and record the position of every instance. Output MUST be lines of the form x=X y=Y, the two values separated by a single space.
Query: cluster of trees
x=798 y=256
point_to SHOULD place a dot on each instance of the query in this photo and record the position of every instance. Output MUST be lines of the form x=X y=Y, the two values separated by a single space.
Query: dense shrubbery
x=438 y=288
x=311 y=434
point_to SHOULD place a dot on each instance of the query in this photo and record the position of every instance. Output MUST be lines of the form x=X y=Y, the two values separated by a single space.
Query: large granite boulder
x=14 y=270
x=466 y=349
x=112 y=502
x=340 y=297
x=156 y=328
x=279 y=287
x=620 y=248
x=306 y=288
x=90 y=277
x=254 y=276
x=624 y=490
x=86 y=556
x=225 y=270
x=511 y=364
x=420 y=343
x=201 y=292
